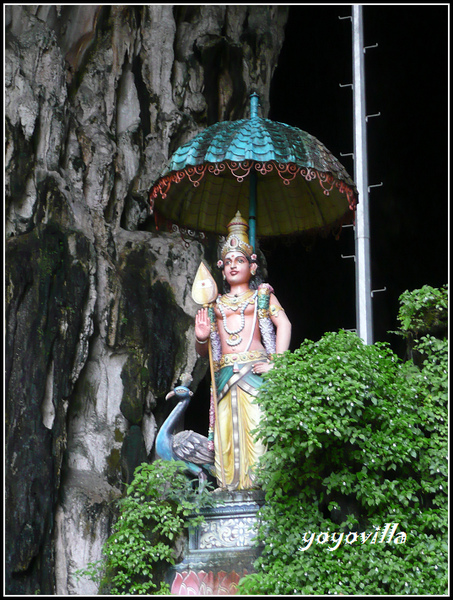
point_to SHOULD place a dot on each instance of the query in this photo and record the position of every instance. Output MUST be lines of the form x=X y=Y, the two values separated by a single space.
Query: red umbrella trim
x=287 y=172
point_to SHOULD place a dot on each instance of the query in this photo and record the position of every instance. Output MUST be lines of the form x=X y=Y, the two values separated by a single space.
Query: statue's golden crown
x=237 y=239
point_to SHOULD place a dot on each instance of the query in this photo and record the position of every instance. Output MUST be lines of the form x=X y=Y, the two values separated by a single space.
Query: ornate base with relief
x=221 y=550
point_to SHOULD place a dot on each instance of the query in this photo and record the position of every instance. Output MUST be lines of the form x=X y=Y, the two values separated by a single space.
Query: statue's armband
x=274 y=310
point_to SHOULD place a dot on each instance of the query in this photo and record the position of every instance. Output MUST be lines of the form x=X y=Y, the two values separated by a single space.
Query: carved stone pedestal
x=220 y=551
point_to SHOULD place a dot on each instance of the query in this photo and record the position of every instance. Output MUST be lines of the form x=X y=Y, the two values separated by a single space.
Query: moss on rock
x=150 y=320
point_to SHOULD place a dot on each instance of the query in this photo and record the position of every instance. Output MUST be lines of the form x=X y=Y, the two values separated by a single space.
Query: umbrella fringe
x=240 y=170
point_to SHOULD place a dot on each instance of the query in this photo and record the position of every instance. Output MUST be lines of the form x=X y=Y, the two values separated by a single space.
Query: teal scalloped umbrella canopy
x=280 y=175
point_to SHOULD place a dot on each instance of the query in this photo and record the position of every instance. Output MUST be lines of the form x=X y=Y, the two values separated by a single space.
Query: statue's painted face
x=237 y=268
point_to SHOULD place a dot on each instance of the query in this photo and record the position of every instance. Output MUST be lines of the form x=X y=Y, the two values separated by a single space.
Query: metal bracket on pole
x=375 y=185
x=384 y=289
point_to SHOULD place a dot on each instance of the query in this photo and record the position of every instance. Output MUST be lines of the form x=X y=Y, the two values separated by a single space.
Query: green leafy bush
x=159 y=504
x=422 y=312
x=356 y=440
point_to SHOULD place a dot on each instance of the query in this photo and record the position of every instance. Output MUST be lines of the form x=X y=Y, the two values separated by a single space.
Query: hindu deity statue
x=246 y=327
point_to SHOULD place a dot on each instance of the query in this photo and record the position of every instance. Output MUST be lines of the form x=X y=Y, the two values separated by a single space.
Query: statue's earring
x=223 y=277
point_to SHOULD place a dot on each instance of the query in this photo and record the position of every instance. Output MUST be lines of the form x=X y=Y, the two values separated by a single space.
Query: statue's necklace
x=236 y=301
x=234 y=339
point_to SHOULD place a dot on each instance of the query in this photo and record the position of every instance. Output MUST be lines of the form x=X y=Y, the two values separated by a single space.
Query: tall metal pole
x=364 y=314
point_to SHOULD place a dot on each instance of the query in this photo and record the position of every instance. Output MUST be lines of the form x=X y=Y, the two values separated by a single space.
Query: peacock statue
x=189 y=446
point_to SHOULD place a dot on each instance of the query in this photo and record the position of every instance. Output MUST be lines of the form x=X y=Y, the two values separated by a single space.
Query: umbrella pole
x=217 y=427
x=252 y=209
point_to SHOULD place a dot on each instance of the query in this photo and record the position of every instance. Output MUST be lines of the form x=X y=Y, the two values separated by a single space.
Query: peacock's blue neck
x=164 y=437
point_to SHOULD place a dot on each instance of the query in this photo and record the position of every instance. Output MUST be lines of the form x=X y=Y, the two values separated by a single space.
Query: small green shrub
x=356 y=440
x=159 y=504
x=423 y=311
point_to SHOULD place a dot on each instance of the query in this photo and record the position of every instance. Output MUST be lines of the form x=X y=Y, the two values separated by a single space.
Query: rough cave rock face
x=99 y=317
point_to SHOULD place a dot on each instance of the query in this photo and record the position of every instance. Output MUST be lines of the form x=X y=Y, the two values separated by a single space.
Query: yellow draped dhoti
x=238 y=415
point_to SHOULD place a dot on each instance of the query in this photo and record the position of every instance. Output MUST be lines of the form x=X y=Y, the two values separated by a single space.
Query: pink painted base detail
x=202 y=583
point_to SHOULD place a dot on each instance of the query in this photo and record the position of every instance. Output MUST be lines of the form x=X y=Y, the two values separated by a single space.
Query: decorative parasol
x=282 y=177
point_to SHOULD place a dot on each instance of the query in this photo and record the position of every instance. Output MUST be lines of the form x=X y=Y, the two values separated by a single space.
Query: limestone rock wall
x=99 y=318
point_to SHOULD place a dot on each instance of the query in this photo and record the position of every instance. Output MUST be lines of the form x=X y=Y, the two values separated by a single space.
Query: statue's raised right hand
x=202 y=325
